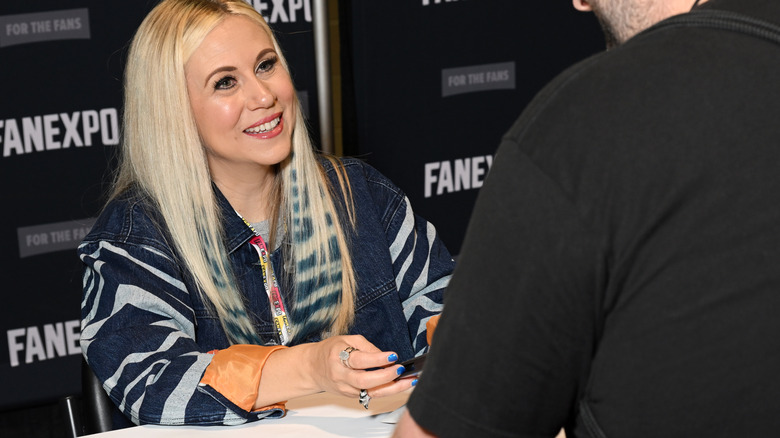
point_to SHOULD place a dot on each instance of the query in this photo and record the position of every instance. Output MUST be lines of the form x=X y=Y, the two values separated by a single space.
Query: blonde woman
x=233 y=268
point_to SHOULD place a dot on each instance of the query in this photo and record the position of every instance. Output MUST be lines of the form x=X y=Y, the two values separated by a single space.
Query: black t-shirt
x=620 y=276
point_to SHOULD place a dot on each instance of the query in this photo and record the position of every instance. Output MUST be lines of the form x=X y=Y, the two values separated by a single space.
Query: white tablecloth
x=319 y=415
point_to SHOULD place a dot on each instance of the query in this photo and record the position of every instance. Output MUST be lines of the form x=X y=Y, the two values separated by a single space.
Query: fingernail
x=414 y=382
x=400 y=370
x=392 y=358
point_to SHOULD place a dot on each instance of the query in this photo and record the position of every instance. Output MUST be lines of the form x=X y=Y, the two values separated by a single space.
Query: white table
x=319 y=415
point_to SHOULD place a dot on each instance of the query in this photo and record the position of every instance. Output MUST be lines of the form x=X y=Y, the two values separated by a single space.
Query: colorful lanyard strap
x=274 y=295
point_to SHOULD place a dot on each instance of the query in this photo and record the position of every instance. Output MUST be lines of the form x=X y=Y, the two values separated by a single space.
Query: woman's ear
x=582 y=5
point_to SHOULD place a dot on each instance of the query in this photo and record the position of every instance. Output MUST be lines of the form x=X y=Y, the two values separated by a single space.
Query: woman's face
x=242 y=99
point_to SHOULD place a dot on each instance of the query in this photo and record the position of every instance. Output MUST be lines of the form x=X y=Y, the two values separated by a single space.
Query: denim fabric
x=146 y=332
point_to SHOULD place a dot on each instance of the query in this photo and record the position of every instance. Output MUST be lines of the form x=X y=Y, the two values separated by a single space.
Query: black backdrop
x=435 y=84
x=61 y=64
x=49 y=193
x=429 y=88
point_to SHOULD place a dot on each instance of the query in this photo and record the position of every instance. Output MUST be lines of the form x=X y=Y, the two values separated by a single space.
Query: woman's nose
x=260 y=95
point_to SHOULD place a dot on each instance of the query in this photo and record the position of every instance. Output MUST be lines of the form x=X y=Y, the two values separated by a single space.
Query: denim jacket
x=146 y=331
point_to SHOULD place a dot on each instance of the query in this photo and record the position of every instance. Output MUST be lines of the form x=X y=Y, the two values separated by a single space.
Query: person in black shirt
x=621 y=271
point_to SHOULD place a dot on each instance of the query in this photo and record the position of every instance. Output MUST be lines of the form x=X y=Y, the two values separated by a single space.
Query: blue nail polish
x=392 y=358
x=400 y=370
x=414 y=382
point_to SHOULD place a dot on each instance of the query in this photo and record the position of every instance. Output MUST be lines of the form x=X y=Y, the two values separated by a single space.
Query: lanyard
x=274 y=296
x=271 y=286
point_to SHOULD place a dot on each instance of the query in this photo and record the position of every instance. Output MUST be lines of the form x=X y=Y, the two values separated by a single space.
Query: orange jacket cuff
x=431 y=327
x=235 y=373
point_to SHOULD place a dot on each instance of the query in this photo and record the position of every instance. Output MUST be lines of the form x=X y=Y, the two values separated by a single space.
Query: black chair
x=98 y=408
x=92 y=412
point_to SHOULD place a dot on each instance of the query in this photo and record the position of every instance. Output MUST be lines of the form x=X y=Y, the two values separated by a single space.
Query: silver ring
x=364 y=398
x=344 y=356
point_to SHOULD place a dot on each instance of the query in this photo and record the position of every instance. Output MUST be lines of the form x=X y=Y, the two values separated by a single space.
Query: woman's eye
x=225 y=83
x=267 y=65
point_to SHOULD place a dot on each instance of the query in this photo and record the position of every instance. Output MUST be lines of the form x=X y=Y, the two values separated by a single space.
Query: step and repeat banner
x=61 y=67
x=434 y=84
x=429 y=88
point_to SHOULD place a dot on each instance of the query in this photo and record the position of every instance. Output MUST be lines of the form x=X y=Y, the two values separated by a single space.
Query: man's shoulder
x=617 y=87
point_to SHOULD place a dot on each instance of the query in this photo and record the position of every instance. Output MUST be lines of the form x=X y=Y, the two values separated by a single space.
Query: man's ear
x=582 y=5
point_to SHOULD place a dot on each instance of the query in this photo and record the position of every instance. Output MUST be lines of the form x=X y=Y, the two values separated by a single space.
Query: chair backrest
x=97 y=407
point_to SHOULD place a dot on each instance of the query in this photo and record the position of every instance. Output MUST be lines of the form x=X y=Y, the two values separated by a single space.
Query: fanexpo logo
x=59 y=131
x=454 y=176
x=283 y=11
x=31 y=344
x=44 y=26
x=477 y=78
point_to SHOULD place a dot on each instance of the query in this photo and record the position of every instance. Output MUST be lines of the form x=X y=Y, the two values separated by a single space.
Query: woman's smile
x=267 y=128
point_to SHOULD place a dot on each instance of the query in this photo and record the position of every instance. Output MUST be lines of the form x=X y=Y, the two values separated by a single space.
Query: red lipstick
x=266 y=128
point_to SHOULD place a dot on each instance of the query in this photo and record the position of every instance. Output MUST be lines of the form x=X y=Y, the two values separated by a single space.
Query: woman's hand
x=316 y=367
x=367 y=368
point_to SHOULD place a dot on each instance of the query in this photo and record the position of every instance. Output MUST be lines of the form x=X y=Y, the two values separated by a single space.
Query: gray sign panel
x=46 y=238
x=477 y=78
x=65 y=24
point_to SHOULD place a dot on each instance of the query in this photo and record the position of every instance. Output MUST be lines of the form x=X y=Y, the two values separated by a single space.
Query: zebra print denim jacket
x=147 y=335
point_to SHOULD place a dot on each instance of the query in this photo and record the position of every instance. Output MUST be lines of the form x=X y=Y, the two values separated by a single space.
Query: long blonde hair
x=163 y=156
